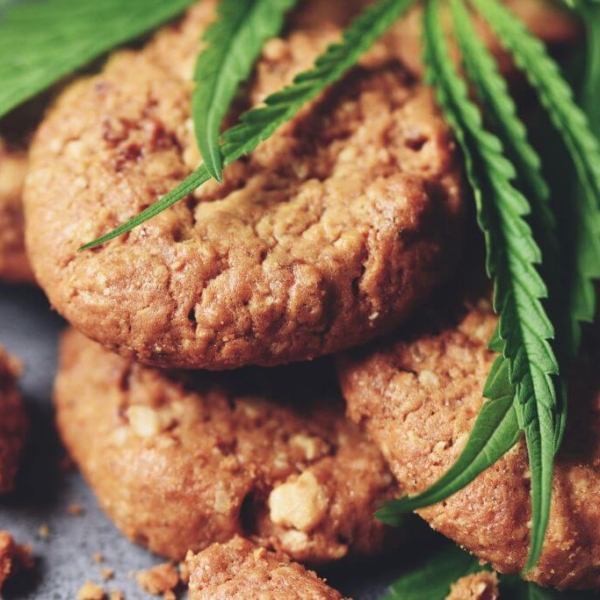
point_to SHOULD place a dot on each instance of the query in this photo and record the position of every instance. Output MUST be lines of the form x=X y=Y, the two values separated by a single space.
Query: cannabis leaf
x=259 y=124
x=557 y=97
x=433 y=580
x=524 y=326
x=495 y=432
x=41 y=42
x=233 y=43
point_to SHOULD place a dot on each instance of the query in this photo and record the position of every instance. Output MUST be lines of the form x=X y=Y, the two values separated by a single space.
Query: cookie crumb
x=98 y=558
x=74 y=509
x=44 y=532
x=91 y=591
x=107 y=574
x=479 y=586
x=14 y=558
x=116 y=595
x=160 y=579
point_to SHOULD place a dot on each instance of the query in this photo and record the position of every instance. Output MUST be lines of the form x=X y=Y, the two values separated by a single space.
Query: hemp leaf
x=260 y=123
x=433 y=580
x=233 y=43
x=42 y=42
x=524 y=329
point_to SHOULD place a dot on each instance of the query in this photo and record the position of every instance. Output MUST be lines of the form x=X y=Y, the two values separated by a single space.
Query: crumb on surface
x=98 y=558
x=14 y=558
x=75 y=509
x=158 y=580
x=91 y=591
x=44 y=532
x=116 y=595
x=107 y=574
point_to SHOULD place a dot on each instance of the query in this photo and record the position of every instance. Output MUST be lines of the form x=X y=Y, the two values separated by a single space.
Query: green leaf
x=495 y=432
x=41 y=42
x=433 y=580
x=259 y=124
x=234 y=42
x=557 y=97
x=501 y=109
x=512 y=258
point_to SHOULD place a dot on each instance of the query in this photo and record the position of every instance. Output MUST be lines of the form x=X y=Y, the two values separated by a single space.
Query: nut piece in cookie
x=239 y=570
x=13 y=422
x=479 y=586
x=14 y=266
x=418 y=396
x=182 y=460
x=326 y=236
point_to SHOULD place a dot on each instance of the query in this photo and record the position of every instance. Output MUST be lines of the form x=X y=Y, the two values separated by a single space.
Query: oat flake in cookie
x=418 y=396
x=239 y=570
x=182 y=460
x=328 y=235
x=13 y=422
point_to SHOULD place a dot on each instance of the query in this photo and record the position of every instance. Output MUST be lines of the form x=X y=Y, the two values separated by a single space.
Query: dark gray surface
x=65 y=561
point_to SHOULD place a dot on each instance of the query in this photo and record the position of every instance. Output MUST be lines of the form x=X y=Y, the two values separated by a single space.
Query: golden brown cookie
x=479 y=586
x=330 y=233
x=418 y=396
x=14 y=265
x=239 y=570
x=182 y=460
x=13 y=422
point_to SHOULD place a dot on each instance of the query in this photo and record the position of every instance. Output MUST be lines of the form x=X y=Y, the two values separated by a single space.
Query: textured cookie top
x=326 y=236
x=180 y=461
x=13 y=422
x=13 y=168
x=418 y=396
x=239 y=570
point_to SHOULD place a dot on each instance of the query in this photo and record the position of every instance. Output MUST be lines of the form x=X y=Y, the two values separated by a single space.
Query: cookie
x=418 y=396
x=13 y=422
x=14 y=266
x=239 y=570
x=182 y=460
x=479 y=586
x=326 y=236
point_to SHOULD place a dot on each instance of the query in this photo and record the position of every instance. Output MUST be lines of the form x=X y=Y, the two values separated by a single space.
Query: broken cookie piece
x=239 y=570
x=13 y=558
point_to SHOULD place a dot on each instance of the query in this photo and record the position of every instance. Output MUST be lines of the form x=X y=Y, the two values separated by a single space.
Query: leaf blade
x=513 y=256
x=57 y=37
x=234 y=42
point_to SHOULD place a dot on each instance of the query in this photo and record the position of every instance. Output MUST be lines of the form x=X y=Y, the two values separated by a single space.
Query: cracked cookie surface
x=182 y=460
x=418 y=395
x=13 y=422
x=326 y=236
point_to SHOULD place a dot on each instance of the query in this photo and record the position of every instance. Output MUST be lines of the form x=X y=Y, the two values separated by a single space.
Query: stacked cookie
x=175 y=395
